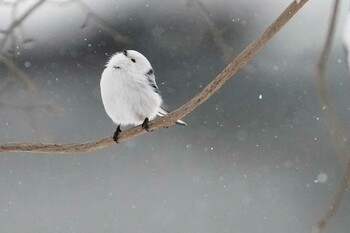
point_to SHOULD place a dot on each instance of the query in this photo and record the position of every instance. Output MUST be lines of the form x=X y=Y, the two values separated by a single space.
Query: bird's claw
x=116 y=134
x=145 y=124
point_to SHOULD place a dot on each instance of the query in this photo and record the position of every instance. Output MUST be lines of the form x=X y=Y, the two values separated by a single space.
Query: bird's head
x=130 y=60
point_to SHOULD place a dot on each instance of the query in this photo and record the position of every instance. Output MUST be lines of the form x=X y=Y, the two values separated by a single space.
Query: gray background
x=244 y=164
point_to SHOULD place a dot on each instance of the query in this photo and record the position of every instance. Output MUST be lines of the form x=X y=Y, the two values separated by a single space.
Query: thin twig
x=102 y=24
x=338 y=198
x=95 y=19
x=9 y=32
x=216 y=32
x=18 y=22
x=332 y=123
x=170 y=119
x=13 y=34
x=330 y=115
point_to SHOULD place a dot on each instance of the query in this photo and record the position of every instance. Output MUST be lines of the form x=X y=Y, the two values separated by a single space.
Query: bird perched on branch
x=129 y=91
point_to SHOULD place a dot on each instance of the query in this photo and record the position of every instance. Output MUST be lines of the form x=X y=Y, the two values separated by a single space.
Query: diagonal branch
x=164 y=122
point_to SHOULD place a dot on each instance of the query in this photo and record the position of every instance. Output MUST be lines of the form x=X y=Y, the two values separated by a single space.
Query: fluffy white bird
x=129 y=91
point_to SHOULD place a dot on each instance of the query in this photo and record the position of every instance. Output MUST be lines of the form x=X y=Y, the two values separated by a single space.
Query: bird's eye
x=150 y=72
x=133 y=60
x=116 y=67
x=125 y=53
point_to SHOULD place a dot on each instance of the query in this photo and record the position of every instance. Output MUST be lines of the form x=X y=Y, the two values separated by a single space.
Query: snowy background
x=256 y=157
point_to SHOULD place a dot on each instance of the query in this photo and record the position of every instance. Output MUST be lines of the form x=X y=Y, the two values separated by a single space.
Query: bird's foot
x=116 y=134
x=145 y=124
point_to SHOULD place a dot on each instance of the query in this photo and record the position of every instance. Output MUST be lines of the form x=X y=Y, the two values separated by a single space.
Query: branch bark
x=166 y=121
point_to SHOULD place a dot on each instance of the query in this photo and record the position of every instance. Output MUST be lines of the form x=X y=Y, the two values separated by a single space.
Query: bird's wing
x=163 y=112
x=152 y=81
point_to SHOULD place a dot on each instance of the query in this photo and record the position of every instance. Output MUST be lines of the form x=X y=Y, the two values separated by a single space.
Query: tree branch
x=164 y=122
x=333 y=124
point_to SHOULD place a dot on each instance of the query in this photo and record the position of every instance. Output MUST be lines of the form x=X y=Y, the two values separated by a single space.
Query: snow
x=27 y=64
x=321 y=178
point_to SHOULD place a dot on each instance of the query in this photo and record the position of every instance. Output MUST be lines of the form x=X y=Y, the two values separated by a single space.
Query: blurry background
x=256 y=157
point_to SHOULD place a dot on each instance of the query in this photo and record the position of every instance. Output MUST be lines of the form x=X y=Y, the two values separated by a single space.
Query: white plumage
x=129 y=90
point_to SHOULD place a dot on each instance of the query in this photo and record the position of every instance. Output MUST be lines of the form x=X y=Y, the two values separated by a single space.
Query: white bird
x=129 y=91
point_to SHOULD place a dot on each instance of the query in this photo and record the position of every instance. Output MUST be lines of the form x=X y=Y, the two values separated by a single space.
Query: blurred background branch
x=18 y=22
x=10 y=33
x=217 y=33
x=332 y=122
x=96 y=20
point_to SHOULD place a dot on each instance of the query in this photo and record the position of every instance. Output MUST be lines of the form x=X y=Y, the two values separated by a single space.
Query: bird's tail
x=163 y=112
